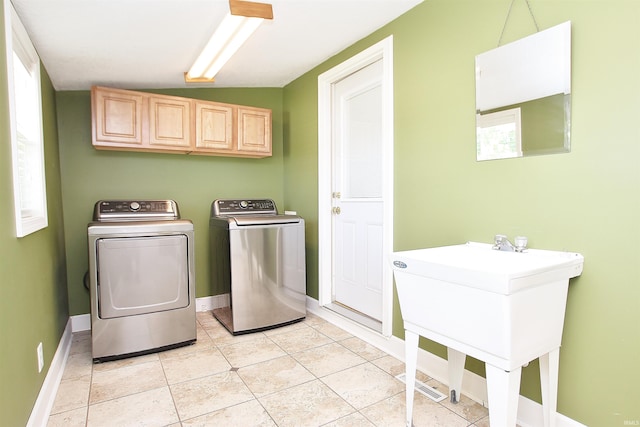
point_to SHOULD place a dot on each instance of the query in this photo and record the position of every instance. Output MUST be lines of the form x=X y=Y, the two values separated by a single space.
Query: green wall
x=89 y=175
x=33 y=294
x=586 y=201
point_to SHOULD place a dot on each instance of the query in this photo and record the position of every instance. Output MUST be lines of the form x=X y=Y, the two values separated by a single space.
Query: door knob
x=336 y=210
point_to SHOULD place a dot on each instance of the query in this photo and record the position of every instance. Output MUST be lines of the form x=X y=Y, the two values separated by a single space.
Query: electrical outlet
x=40 y=357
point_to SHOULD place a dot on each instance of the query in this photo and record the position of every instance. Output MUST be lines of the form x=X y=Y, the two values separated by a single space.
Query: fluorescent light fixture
x=243 y=19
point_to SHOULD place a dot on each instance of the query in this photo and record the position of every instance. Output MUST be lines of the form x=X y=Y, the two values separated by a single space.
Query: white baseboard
x=473 y=385
x=209 y=303
x=81 y=322
x=44 y=403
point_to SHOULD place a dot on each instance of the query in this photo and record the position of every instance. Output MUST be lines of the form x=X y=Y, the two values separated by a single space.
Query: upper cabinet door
x=117 y=117
x=170 y=122
x=254 y=130
x=214 y=126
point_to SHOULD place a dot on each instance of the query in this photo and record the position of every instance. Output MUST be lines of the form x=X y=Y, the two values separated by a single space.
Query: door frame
x=382 y=50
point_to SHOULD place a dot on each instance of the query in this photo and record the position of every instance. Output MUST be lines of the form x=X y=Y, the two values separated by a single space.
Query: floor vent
x=421 y=387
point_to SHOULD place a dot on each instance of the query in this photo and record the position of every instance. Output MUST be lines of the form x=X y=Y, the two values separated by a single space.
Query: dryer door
x=138 y=275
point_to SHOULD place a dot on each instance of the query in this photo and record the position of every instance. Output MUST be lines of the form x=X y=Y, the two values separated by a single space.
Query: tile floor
x=311 y=373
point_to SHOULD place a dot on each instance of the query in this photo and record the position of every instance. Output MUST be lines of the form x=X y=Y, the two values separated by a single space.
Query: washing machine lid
x=249 y=220
x=135 y=210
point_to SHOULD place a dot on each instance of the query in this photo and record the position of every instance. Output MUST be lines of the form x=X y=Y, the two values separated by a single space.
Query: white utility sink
x=504 y=308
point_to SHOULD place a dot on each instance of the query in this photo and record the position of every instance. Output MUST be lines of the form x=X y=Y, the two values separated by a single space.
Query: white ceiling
x=151 y=43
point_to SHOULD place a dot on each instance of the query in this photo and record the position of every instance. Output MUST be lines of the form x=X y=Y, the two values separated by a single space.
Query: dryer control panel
x=135 y=210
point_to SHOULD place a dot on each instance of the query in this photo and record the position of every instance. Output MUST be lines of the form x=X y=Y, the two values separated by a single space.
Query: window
x=25 y=111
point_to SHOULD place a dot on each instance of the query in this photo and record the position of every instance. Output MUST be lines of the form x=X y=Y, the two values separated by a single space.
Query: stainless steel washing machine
x=258 y=259
x=141 y=278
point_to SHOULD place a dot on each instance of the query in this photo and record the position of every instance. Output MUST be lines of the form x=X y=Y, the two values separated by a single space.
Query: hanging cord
x=509 y=13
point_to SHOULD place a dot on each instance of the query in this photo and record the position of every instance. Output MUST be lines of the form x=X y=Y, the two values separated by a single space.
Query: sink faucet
x=502 y=243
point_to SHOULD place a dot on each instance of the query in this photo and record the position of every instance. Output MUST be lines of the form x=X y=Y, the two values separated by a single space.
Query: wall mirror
x=523 y=96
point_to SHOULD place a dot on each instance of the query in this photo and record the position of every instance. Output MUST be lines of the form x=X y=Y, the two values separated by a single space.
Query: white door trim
x=381 y=50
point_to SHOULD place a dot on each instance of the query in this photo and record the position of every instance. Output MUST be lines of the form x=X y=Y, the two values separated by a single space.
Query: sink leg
x=456 y=370
x=503 y=390
x=411 y=358
x=549 y=366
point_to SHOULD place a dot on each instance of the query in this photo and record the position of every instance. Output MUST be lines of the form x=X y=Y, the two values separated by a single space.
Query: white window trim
x=17 y=40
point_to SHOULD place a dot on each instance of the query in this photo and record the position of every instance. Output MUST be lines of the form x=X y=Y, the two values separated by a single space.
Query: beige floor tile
x=249 y=413
x=390 y=365
x=328 y=359
x=204 y=395
x=265 y=387
x=353 y=420
x=468 y=409
x=247 y=353
x=313 y=320
x=220 y=336
x=199 y=345
x=121 y=363
x=274 y=375
x=426 y=413
x=201 y=334
x=127 y=380
x=395 y=367
x=362 y=348
x=78 y=365
x=73 y=418
x=363 y=385
x=150 y=408
x=72 y=394
x=193 y=365
x=283 y=329
x=80 y=343
x=332 y=331
x=309 y=404
x=205 y=317
x=484 y=422
x=300 y=340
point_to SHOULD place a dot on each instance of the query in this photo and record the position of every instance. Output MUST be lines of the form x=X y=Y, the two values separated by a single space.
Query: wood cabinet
x=129 y=120
x=170 y=123
x=232 y=130
x=117 y=118
x=214 y=126
x=254 y=130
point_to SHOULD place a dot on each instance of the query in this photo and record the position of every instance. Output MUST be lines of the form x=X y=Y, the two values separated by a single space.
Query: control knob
x=244 y=204
x=134 y=206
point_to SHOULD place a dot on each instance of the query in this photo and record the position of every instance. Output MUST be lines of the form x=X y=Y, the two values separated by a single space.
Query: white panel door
x=358 y=206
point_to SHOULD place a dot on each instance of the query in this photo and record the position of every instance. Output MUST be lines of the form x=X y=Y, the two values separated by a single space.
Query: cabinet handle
x=336 y=210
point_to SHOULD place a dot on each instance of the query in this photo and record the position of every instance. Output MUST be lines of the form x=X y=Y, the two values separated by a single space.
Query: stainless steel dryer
x=141 y=278
x=258 y=259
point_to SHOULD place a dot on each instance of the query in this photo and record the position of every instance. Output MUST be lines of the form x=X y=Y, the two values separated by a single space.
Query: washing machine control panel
x=242 y=206
x=135 y=210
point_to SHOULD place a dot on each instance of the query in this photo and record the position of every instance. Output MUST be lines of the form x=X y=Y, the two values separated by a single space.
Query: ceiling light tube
x=235 y=29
